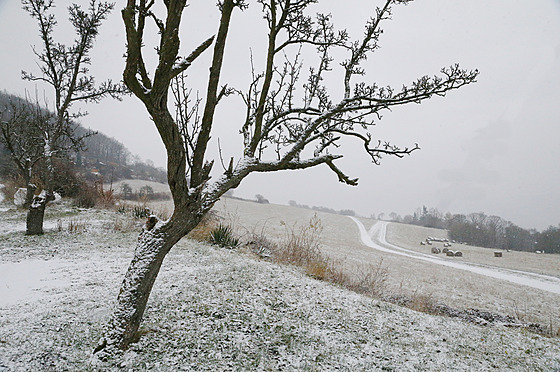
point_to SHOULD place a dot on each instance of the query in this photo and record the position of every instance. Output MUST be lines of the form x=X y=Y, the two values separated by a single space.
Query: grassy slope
x=214 y=309
x=410 y=277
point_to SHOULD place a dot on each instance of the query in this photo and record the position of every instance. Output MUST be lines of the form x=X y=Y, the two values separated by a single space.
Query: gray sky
x=489 y=147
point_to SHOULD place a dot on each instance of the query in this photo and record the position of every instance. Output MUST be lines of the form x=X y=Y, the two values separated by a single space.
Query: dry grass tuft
x=203 y=231
x=74 y=226
x=301 y=247
x=122 y=224
x=424 y=303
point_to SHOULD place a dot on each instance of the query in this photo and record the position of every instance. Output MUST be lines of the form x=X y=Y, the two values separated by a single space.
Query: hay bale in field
x=458 y=254
x=497 y=254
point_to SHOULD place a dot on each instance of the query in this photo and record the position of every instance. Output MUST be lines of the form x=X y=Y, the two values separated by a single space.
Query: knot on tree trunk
x=151 y=222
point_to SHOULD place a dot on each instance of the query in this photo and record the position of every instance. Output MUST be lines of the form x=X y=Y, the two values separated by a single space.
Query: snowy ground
x=220 y=310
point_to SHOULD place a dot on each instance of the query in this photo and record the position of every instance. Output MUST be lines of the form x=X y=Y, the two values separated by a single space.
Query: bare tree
x=22 y=140
x=65 y=69
x=281 y=130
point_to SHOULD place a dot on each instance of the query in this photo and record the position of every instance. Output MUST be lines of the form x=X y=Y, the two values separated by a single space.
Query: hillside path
x=376 y=238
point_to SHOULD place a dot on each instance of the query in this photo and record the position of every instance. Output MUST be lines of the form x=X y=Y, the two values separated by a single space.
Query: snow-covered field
x=214 y=309
x=376 y=238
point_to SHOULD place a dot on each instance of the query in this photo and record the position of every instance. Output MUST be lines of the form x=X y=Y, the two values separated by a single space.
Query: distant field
x=137 y=184
x=409 y=236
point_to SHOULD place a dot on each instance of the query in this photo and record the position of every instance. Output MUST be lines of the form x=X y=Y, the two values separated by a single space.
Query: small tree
x=282 y=129
x=65 y=69
x=147 y=192
x=23 y=140
x=126 y=190
x=261 y=199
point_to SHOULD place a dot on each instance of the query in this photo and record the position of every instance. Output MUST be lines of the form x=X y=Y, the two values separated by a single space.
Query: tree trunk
x=153 y=245
x=30 y=193
x=36 y=214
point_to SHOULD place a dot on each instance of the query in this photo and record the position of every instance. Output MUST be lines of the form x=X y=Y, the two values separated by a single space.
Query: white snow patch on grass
x=27 y=280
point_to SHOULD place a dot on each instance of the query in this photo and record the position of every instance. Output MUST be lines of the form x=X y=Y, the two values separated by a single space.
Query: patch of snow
x=27 y=280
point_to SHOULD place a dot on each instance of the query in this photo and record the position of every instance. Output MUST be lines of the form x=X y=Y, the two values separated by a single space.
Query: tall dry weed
x=301 y=246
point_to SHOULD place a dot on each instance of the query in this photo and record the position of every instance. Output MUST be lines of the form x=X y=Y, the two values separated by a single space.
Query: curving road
x=376 y=238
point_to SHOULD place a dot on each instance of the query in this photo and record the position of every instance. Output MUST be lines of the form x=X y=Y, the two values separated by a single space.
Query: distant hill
x=103 y=156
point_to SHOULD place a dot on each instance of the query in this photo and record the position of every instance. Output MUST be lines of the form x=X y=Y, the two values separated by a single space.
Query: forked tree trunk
x=153 y=245
x=36 y=214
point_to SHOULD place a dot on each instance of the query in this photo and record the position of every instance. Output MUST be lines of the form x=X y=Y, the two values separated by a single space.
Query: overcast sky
x=489 y=147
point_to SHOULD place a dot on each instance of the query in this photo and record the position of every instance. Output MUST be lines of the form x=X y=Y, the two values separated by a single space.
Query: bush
x=261 y=199
x=223 y=236
x=86 y=197
x=140 y=211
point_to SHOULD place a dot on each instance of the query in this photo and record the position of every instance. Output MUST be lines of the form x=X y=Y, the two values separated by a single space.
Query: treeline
x=344 y=212
x=145 y=193
x=482 y=230
x=102 y=159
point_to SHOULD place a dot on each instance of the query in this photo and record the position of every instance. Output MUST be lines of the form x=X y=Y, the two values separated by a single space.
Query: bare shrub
x=301 y=244
x=301 y=247
x=86 y=197
x=76 y=226
x=106 y=199
x=369 y=279
x=122 y=224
